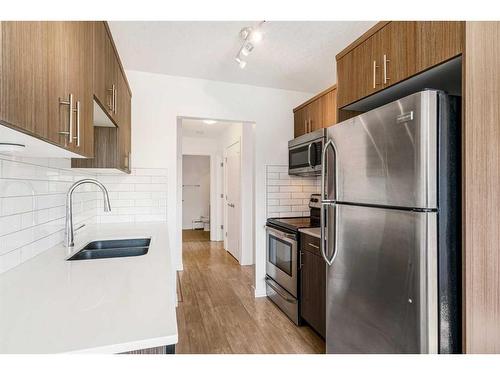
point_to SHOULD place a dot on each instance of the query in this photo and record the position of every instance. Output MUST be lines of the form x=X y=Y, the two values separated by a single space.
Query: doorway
x=232 y=188
x=196 y=193
x=218 y=139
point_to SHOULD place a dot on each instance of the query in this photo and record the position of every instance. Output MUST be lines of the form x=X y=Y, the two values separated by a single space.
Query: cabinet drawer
x=310 y=244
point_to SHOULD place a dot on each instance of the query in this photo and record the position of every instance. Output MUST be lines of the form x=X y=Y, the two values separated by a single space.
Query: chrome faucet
x=69 y=234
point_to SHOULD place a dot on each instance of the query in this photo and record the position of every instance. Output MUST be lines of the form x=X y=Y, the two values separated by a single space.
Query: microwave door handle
x=309 y=155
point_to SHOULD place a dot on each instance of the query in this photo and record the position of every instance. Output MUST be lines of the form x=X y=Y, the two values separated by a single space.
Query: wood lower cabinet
x=44 y=65
x=312 y=284
x=391 y=52
x=317 y=113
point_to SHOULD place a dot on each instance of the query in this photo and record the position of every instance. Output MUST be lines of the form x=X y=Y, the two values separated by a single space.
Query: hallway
x=218 y=313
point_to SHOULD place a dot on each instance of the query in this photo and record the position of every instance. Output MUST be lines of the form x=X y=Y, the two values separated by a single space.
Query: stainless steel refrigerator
x=391 y=228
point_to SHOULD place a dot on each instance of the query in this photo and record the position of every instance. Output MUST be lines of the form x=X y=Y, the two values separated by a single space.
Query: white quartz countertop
x=114 y=305
x=315 y=232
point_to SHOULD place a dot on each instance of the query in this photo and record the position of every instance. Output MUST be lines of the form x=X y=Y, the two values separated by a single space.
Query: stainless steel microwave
x=304 y=153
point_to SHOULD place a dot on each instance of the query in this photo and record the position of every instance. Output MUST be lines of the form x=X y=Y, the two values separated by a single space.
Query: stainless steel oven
x=304 y=154
x=282 y=271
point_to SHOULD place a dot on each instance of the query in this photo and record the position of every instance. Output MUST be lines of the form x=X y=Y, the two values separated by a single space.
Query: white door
x=232 y=198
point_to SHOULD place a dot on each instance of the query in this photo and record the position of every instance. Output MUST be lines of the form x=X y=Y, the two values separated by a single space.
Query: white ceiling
x=293 y=55
x=197 y=128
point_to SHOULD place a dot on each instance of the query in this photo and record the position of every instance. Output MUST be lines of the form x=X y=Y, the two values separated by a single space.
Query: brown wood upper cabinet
x=107 y=72
x=111 y=92
x=318 y=112
x=46 y=81
x=390 y=52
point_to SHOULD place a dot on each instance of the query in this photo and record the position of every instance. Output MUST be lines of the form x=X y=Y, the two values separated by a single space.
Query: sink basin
x=113 y=249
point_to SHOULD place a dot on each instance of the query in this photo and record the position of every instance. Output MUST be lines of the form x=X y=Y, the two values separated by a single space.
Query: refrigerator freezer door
x=382 y=286
x=388 y=156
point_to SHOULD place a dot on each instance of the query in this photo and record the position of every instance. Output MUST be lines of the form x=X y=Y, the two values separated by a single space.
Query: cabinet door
x=358 y=73
x=24 y=76
x=437 y=41
x=82 y=75
x=299 y=122
x=313 y=291
x=315 y=115
x=124 y=124
x=70 y=73
x=395 y=49
x=329 y=108
x=101 y=47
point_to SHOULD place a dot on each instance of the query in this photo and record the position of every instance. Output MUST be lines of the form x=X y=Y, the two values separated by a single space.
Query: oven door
x=305 y=159
x=281 y=259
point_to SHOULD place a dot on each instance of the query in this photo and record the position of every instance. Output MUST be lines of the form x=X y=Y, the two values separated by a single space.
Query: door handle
x=375 y=66
x=77 y=110
x=324 y=202
x=69 y=103
x=386 y=60
x=324 y=173
x=324 y=238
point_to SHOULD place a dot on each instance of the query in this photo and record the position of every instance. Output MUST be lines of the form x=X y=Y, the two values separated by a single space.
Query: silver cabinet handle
x=110 y=102
x=300 y=260
x=375 y=66
x=69 y=103
x=114 y=99
x=313 y=245
x=77 y=110
x=386 y=60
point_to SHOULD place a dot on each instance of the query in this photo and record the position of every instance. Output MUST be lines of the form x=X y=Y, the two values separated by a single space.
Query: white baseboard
x=260 y=293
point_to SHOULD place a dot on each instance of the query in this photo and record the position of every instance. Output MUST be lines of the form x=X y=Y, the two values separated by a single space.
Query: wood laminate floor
x=218 y=312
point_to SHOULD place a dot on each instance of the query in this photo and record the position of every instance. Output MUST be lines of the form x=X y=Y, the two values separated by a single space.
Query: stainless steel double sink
x=113 y=249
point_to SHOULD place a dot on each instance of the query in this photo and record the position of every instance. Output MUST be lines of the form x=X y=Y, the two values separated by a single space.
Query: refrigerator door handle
x=331 y=202
x=324 y=174
x=324 y=238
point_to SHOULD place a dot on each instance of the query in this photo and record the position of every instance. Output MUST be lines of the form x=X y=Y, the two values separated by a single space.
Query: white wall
x=158 y=100
x=195 y=189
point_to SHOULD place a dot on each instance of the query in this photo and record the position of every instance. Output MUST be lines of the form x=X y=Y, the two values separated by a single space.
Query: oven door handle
x=276 y=288
x=281 y=235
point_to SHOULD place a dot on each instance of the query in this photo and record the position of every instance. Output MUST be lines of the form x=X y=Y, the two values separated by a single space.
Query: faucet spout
x=69 y=238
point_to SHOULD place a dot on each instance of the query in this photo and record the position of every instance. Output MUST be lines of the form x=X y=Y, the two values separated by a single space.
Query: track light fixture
x=249 y=36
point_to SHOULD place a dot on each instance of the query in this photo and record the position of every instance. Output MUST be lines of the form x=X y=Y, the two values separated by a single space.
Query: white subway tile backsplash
x=33 y=198
x=278 y=195
x=290 y=188
x=140 y=196
x=277 y=168
x=288 y=196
